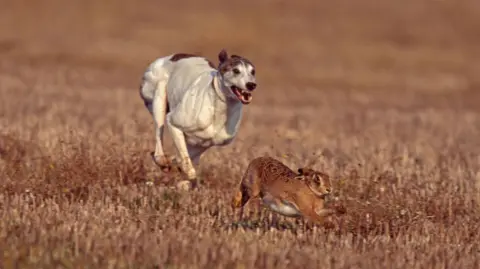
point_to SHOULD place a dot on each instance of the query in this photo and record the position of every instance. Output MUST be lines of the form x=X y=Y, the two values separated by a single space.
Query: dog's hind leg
x=154 y=94
x=159 y=111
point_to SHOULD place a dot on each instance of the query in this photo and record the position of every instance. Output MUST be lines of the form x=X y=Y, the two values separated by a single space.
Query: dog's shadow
x=265 y=225
x=261 y=224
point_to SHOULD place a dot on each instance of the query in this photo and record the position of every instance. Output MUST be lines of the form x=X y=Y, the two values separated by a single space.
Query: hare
x=285 y=192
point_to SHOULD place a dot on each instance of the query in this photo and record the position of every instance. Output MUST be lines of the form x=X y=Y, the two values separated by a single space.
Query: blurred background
x=422 y=46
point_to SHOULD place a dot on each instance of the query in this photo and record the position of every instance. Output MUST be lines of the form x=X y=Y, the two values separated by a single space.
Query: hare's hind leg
x=240 y=199
x=247 y=190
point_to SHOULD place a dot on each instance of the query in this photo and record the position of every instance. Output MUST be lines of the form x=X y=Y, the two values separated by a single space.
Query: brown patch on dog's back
x=180 y=56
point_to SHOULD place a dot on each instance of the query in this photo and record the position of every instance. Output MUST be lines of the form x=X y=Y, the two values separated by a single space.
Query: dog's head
x=238 y=75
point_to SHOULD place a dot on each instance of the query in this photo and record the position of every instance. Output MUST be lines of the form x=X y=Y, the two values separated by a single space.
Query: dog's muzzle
x=243 y=95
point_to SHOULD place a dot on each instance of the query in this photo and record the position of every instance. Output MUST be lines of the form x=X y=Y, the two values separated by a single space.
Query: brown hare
x=285 y=192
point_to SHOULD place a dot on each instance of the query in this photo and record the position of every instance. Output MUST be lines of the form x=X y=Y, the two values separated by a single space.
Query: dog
x=201 y=105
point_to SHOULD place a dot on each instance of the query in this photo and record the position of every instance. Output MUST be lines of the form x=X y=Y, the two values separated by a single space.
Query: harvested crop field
x=383 y=96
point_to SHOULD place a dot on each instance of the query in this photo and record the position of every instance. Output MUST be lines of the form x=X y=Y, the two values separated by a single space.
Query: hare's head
x=318 y=182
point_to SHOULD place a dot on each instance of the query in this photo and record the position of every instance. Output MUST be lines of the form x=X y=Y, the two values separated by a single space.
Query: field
x=383 y=96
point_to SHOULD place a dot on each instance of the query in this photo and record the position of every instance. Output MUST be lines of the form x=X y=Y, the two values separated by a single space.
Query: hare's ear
x=223 y=56
x=300 y=171
x=300 y=177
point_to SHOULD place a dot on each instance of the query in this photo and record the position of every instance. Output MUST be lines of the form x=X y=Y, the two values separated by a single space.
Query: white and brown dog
x=200 y=105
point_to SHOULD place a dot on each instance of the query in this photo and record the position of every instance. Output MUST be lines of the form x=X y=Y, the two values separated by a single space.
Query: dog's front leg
x=178 y=138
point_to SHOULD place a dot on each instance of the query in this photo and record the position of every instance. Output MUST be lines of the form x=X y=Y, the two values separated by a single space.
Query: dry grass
x=382 y=95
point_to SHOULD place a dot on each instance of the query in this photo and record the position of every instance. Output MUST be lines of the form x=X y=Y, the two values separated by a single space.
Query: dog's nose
x=251 y=86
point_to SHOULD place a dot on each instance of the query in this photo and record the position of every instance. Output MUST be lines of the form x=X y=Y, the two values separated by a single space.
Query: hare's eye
x=236 y=71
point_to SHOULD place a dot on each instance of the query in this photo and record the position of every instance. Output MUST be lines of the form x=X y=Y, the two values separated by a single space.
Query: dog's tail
x=154 y=83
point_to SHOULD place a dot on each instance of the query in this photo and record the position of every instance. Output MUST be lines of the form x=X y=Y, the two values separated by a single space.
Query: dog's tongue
x=246 y=97
x=243 y=96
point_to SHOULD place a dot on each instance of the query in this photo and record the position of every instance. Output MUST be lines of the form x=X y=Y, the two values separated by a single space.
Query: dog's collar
x=216 y=86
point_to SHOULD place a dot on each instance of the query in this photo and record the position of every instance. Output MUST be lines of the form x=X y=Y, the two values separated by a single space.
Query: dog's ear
x=235 y=56
x=223 y=56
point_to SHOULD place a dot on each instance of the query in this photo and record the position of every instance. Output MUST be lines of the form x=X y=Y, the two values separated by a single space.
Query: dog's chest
x=222 y=127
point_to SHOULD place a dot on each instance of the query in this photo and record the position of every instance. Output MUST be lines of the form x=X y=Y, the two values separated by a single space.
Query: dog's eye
x=253 y=72
x=236 y=71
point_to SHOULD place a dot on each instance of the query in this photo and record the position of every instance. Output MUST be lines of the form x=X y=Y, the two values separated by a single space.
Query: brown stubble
x=381 y=95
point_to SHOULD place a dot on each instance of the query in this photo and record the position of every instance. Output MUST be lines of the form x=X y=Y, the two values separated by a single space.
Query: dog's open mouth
x=244 y=96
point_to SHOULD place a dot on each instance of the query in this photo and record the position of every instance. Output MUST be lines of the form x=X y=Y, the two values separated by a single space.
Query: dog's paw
x=175 y=166
x=163 y=162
